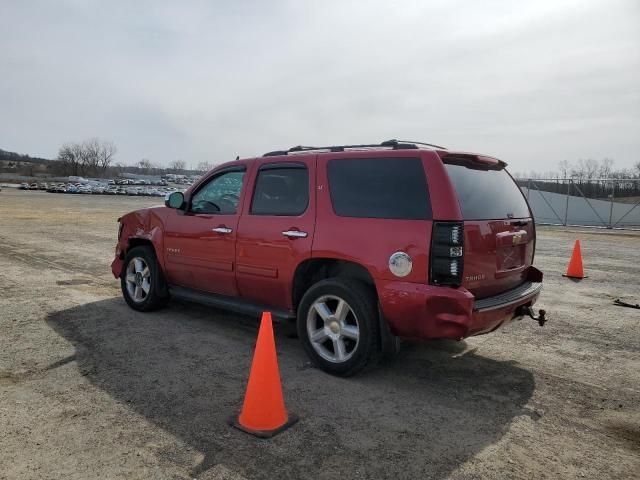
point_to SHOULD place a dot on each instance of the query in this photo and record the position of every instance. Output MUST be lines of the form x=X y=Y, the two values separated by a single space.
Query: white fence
x=593 y=203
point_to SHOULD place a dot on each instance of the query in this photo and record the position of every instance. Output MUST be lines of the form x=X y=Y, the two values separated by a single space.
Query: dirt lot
x=91 y=389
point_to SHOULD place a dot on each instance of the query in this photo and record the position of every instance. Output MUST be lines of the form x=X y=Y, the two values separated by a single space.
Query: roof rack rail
x=393 y=144
x=421 y=143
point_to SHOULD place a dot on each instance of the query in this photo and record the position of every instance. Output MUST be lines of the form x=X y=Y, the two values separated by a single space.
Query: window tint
x=281 y=191
x=220 y=195
x=487 y=194
x=379 y=188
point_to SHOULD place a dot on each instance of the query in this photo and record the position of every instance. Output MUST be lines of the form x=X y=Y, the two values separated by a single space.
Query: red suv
x=359 y=244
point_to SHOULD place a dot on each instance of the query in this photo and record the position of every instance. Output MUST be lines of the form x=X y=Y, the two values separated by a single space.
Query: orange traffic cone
x=263 y=412
x=574 y=270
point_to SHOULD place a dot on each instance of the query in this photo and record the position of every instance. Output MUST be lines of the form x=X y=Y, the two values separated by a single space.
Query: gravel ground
x=92 y=389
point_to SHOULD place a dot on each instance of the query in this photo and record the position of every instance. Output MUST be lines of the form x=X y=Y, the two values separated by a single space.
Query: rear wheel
x=338 y=326
x=142 y=281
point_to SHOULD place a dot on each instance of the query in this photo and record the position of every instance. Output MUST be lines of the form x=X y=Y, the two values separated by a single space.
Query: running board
x=228 y=303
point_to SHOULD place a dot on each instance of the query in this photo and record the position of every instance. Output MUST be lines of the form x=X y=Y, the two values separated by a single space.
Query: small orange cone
x=574 y=270
x=263 y=412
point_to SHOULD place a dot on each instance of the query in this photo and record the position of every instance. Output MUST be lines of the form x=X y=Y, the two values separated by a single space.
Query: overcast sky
x=529 y=82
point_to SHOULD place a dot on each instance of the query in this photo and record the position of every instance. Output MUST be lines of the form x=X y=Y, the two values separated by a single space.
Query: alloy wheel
x=333 y=328
x=138 y=279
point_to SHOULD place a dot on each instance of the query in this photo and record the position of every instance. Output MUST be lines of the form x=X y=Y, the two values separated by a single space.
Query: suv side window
x=220 y=195
x=379 y=188
x=281 y=190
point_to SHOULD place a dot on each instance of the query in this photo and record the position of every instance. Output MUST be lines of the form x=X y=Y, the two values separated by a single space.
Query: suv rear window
x=379 y=188
x=487 y=194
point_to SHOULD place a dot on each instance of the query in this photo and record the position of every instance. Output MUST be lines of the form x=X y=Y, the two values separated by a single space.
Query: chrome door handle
x=222 y=230
x=295 y=234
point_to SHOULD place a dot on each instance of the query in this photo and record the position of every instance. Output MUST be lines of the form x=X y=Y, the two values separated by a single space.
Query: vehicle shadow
x=420 y=415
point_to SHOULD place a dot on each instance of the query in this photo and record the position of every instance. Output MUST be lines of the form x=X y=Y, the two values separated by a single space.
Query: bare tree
x=605 y=168
x=98 y=155
x=204 y=167
x=91 y=157
x=583 y=172
x=145 y=165
x=68 y=159
x=592 y=167
x=106 y=156
x=579 y=170
x=177 y=166
x=73 y=158
x=564 y=166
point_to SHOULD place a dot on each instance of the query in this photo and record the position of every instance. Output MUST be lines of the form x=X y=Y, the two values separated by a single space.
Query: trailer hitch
x=540 y=318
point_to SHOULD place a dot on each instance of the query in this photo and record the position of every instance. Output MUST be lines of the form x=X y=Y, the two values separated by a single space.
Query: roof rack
x=420 y=143
x=391 y=144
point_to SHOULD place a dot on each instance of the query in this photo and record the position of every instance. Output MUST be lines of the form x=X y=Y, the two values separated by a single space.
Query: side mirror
x=174 y=200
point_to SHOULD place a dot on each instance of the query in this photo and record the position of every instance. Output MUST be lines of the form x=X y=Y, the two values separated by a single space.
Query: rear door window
x=281 y=190
x=487 y=194
x=379 y=188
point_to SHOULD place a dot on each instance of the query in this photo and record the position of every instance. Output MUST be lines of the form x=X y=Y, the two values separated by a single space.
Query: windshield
x=487 y=194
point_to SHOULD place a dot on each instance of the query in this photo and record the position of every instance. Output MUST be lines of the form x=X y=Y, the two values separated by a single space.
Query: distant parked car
x=42 y=186
x=24 y=186
x=33 y=186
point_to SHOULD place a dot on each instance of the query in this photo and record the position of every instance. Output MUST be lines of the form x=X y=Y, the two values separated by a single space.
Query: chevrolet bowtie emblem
x=516 y=239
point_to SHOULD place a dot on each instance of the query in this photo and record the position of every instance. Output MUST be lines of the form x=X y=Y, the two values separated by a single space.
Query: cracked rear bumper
x=426 y=311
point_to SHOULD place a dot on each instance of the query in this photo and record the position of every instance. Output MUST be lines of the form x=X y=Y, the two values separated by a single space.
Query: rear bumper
x=492 y=312
x=425 y=311
x=510 y=297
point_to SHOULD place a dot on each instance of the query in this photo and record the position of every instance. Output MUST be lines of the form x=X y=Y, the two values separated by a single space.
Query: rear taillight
x=447 y=253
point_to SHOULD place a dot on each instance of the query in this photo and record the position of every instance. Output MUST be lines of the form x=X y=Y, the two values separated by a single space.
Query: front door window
x=220 y=195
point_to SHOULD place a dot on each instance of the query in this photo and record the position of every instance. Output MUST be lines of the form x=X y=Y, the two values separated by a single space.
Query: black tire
x=362 y=302
x=157 y=295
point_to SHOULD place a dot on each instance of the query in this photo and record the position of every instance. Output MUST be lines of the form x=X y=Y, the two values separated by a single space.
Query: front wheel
x=338 y=326
x=142 y=281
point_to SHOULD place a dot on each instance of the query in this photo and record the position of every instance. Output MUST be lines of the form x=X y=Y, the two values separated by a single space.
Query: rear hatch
x=499 y=233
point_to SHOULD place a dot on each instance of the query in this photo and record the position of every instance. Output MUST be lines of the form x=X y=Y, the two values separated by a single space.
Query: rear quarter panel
x=371 y=241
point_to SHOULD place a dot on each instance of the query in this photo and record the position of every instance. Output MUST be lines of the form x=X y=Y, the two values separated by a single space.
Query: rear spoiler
x=471 y=160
